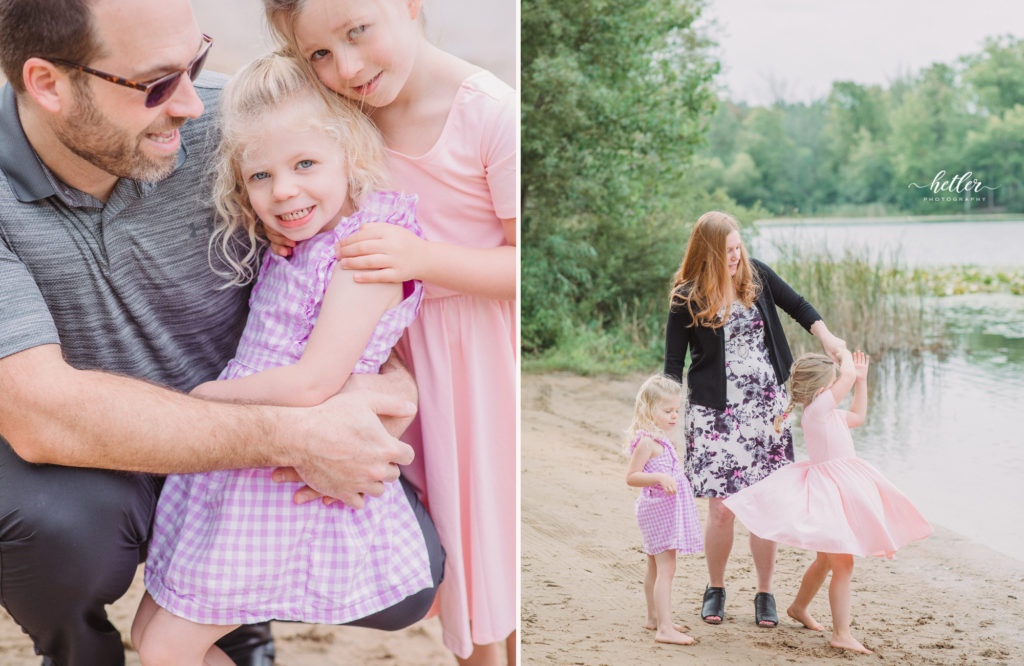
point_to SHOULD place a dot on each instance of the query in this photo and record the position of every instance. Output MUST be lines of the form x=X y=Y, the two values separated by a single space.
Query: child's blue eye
x=355 y=32
x=259 y=175
x=304 y=164
x=318 y=54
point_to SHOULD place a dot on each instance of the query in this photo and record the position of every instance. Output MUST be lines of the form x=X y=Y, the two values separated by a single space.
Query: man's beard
x=106 y=146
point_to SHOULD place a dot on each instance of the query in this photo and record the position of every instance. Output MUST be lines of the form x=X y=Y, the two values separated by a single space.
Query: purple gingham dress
x=666 y=521
x=230 y=547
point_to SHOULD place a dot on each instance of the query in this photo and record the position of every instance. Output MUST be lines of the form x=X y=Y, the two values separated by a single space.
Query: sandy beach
x=943 y=600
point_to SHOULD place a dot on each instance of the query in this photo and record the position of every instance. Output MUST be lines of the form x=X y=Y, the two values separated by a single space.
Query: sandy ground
x=297 y=644
x=943 y=600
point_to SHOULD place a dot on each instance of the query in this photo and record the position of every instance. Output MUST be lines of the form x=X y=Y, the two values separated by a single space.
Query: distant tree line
x=959 y=126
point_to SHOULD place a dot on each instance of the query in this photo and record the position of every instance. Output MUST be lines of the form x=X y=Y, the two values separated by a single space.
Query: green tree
x=852 y=108
x=867 y=177
x=996 y=75
x=996 y=154
x=615 y=97
x=929 y=133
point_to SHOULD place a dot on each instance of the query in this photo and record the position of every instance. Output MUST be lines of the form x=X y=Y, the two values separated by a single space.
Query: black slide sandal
x=764 y=610
x=713 y=605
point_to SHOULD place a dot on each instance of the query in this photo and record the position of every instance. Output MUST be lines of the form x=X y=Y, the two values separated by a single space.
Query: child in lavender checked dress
x=665 y=508
x=231 y=547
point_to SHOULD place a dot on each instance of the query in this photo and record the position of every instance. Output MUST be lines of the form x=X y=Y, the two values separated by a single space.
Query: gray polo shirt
x=124 y=286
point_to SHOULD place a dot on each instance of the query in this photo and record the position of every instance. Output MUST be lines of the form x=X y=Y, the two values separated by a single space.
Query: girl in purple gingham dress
x=665 y=508
x=231 y=547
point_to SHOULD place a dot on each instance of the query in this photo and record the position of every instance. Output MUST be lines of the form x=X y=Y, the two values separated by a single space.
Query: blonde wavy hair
x=809 y=374
x=266 y=84
x=700 y=283
x=654 y=389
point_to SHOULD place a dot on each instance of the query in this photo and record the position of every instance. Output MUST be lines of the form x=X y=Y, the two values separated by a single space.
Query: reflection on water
x=947 y=431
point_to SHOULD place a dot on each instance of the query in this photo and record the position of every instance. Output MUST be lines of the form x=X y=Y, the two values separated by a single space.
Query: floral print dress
x=728 y=450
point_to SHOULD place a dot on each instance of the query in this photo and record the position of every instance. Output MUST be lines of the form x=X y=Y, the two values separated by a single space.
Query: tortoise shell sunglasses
x=159 y=90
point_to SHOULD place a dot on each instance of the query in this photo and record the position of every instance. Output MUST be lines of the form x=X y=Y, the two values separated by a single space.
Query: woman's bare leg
x=763 y=552
x=718 y=535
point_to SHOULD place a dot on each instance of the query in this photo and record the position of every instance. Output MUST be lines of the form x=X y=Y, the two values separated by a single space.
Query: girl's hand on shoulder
x=668 y=484
x=860 y=364
x=382 y=252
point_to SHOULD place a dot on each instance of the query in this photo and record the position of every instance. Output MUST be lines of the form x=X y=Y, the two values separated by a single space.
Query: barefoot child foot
x=802 y=616
x=848 y=643
x=652 y=625
x=670 y=635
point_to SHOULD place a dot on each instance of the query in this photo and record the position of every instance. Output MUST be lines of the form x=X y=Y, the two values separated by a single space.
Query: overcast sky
x=796 y=48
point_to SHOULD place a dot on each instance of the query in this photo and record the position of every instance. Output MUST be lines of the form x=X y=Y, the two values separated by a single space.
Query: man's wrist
x=273 y=422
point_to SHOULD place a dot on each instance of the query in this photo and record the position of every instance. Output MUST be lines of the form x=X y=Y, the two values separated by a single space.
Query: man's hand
x=346 y=452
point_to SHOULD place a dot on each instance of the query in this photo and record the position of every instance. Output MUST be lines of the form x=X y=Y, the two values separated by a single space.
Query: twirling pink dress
x=462 y=350
x=832 y=503
x=667 y=522
x=230 y=547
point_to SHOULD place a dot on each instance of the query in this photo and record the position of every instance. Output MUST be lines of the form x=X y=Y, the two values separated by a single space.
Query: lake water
x=922 y=243
x=947 y=429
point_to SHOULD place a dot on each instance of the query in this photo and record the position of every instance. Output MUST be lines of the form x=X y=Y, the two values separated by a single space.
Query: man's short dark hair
x=45 y=29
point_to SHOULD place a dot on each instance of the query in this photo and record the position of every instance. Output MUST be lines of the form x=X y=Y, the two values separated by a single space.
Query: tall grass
x=872 y=302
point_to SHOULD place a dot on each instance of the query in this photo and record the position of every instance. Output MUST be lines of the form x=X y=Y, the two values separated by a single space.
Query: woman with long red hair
x=723 y=311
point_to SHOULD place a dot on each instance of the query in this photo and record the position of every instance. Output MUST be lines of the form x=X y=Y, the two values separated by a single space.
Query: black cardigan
x=706 y=377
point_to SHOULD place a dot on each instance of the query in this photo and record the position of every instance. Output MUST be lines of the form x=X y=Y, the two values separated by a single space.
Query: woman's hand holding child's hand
x=382 y=253
x=835 y=348
x=668 y=484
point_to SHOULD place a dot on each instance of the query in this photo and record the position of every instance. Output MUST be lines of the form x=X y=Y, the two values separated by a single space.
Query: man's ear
x=48 y=86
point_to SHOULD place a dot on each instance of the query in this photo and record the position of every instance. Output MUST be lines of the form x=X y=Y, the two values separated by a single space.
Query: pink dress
x=462 y=350
x=667 y=522
x=230 y=547
x=832 y=503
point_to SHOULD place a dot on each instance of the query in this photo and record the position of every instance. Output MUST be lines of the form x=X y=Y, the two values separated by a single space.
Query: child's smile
x=295 y=175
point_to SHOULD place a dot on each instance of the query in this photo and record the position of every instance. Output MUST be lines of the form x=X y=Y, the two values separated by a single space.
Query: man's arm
x=394 y=380
x=53 y=413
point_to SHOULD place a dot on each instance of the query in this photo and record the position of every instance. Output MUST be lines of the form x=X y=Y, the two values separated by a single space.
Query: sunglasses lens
x=197 y=66
x=163 y=90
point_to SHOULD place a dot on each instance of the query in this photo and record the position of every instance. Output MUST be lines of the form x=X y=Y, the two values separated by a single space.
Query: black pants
x=71 y=540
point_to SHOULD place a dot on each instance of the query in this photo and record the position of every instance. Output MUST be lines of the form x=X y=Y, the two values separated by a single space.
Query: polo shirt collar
x=28 y=177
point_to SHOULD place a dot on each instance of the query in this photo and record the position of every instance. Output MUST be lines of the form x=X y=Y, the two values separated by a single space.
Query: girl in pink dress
x=665 y=508
x=450 y=129
x=231 y=547
x=834 y=503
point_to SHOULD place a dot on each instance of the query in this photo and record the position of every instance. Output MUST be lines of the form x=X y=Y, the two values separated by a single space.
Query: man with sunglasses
x=107 y=298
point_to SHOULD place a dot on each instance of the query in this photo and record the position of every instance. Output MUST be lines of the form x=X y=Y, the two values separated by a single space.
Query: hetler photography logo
x=960 y=187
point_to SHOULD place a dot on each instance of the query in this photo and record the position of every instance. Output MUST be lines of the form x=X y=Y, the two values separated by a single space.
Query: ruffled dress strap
x=637 y=436
x=394 y=208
